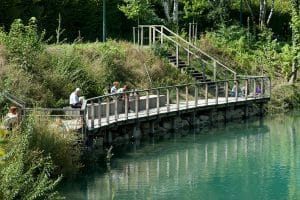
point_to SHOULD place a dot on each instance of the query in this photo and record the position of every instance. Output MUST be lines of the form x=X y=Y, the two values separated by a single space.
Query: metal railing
x=108 y=109
x=161 y=34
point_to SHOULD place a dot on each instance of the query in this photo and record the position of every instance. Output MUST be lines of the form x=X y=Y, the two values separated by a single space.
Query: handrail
x=14 y=99
x=174 y=86
x=107 y=109
x=189 y=45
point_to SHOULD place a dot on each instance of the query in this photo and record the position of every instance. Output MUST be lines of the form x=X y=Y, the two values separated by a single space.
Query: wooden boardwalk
x=143 y=105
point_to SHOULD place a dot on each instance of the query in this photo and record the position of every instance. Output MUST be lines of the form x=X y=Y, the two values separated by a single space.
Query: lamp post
x=104 y=21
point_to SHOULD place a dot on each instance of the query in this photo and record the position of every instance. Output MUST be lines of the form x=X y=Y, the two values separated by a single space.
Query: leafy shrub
x=26 y=173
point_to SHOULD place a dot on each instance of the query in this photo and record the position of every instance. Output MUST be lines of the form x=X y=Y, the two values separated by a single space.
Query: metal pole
x=104 y=21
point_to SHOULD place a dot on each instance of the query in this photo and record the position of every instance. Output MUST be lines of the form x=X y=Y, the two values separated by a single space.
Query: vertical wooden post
x=254 y=88
x=136 y=105
x=142 y=36
x=168 y=100
x=236 y=91
x=161 y=34
x=177 y=56
x=92 y=114
x=262 y=87
x=246 y=89
x=150 y=35
x=226 y=91
x=154 y=34
x=138 y=31
x=217 y=93
x=107 y=110
x=116 y=109
x=196 y=95
x=147 y=103
x=126 y=105
x=215 y=70
x=177 y=98
x=186 y=97
x=133 y=30
x=157 y=101
x=99 y=112
x=206 y=94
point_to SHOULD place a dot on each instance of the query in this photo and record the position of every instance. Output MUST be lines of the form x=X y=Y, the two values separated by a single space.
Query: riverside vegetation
x=44 y=74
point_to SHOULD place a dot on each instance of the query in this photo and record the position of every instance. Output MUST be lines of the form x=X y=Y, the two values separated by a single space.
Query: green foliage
x=26 y=173
x=138 y=10
x=24 y=44
x=52 y=139
x=284 y=98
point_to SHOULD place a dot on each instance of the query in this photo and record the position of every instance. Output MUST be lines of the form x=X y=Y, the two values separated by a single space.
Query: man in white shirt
x=74 y=99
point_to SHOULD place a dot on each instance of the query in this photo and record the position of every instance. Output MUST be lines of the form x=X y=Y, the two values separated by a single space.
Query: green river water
x=257 y=159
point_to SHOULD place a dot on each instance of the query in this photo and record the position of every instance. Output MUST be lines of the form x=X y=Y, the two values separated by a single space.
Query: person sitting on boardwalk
x=11 y=118
x=258 y=90
x=75 y=100
x=114 y=88
x=122 y=90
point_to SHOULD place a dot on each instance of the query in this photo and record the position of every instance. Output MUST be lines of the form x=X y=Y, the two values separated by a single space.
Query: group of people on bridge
x=76 y=100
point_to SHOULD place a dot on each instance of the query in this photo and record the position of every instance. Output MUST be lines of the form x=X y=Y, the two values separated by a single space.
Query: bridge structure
x=217 y=94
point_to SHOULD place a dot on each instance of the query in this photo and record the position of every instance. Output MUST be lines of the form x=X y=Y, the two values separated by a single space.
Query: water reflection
x=252 y=160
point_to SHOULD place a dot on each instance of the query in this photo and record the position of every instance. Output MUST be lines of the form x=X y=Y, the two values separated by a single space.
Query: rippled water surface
x=248 y=160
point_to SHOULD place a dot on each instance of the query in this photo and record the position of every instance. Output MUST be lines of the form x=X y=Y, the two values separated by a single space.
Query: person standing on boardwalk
x=74 y=99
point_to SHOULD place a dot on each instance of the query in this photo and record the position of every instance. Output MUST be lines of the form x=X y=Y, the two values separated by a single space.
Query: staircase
x=181 y=53
x=192 y=71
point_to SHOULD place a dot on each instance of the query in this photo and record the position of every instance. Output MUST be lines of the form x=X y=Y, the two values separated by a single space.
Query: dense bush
x=25 y=171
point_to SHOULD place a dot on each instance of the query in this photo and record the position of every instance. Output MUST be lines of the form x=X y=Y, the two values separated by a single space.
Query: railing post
x=254 y=88
x=262 y=91
x=246 y=89
x=133 y=30
x=142 y=36
x=177 y=56
x=157 y=101
x=196 y=96
x=150 y=35
x=186 y=97
x=126 y=105
x=168 y=100
x=154 y=34
x=99 y=112
x=107 y=110
x=116 y=109
x=161 y=34
x=236 y=91
x=136 y=105
x=147 y=103
x=177 y=98
x=92 y=115
x=217 y=93
x=215 y=70
x=206 y=94
x=138 y=31
x=226 y=91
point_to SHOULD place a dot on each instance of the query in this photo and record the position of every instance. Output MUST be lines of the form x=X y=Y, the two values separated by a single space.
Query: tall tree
x=295 y=26
x=138 y=10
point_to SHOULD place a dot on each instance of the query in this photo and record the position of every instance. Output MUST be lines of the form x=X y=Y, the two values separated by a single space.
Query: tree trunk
x=175 y=12
x=166 y=6
x=271 y=12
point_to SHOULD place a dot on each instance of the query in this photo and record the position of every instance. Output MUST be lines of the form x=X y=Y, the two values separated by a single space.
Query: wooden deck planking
x=163 y=110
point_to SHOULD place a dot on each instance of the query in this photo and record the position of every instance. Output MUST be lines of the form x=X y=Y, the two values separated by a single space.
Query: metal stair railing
x=161 y=33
